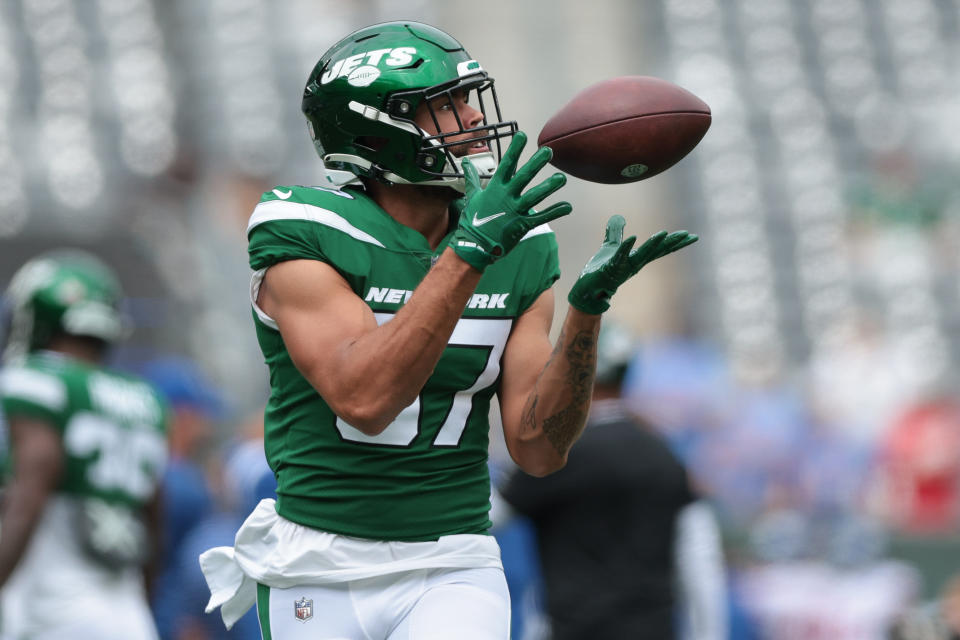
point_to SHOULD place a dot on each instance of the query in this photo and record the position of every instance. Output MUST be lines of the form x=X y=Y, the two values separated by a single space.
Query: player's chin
x=469 y=149
x=442 y=192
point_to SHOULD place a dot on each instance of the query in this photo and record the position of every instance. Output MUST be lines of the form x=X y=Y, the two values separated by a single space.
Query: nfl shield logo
x=303 y=609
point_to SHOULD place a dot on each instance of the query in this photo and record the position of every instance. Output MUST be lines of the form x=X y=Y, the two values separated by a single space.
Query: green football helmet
x=62 y=291
x=362 y=95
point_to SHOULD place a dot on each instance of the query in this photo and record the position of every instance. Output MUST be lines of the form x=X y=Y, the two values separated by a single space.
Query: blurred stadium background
x=803 y=357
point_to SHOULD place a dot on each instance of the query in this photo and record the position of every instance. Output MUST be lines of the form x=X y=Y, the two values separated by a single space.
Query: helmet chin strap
x=336 y=178
x=484 y=162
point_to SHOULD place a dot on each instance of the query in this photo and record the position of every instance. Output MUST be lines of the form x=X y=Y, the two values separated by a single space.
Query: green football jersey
x=426 y=474
x=113 y=426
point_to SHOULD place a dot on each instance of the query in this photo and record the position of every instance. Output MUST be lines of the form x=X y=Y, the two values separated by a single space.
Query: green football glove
x=496 y=217
x=615 y=263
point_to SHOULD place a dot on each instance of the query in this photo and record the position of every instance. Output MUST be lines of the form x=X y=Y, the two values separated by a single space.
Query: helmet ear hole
x=430 y=160
x=400 y=108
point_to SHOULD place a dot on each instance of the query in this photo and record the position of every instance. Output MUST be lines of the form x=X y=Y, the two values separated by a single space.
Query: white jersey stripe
x=283 y=210
x=34 y=386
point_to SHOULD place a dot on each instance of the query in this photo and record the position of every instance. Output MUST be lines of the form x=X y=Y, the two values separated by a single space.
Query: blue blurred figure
x=187 y=497
x=247 y=479
x=521 y=564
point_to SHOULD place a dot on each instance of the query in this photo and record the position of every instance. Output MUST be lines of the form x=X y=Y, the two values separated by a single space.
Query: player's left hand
x=615 y=263
x=494 y=218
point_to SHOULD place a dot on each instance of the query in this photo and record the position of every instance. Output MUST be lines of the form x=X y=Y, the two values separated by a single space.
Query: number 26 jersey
x=112 y=425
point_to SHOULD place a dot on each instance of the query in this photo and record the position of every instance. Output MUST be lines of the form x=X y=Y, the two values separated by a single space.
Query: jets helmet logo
x=363 y=68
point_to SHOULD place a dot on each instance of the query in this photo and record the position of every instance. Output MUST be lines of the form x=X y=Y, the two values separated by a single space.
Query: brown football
x=625 y=129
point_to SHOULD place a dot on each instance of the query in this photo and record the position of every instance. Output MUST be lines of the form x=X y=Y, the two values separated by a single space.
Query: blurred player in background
x=627 y=547
x=87 y=448
x=241 y=479
x=188 y=497
x=390 y=311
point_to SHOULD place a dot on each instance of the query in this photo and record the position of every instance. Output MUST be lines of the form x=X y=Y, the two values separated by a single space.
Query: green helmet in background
x=362 y=95
x=62 y=291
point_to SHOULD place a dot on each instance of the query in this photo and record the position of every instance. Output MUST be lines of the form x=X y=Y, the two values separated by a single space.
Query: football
x=625 y=129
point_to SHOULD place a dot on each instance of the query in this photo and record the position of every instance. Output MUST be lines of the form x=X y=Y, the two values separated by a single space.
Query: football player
x=87 y=447
x=391 y=304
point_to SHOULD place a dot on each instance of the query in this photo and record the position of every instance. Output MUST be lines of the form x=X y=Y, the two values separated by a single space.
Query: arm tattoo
x=563 y=427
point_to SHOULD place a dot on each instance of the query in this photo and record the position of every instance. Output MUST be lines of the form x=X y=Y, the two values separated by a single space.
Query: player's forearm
x=556 y=410
x=153 y=516
x=22 y=507
x=391 y=365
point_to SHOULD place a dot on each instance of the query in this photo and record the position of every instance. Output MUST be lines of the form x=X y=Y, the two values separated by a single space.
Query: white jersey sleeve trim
x=255 y=281
x=34 y=386
x=282 y=210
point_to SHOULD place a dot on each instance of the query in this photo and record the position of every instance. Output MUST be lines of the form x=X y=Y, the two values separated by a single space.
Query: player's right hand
x=496 y=217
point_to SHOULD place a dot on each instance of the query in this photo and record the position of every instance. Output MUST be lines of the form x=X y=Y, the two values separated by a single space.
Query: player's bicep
x=318 y=315
x=524 y=357
x=37 y=453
